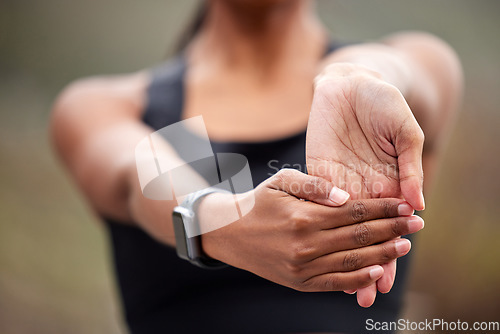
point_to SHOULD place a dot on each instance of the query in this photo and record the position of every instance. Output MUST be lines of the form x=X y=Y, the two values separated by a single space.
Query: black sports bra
x=164 y=294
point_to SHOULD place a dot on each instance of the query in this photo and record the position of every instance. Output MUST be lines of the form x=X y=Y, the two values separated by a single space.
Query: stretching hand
x=312 y=245
x=363 y=137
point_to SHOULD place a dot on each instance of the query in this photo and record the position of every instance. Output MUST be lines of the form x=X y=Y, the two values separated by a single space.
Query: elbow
x=59 y=120
x=65 y=117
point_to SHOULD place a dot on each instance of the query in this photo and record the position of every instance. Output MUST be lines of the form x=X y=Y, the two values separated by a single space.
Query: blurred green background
x=55 y=269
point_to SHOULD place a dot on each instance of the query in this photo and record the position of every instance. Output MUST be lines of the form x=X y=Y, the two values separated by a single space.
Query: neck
x=257 y=37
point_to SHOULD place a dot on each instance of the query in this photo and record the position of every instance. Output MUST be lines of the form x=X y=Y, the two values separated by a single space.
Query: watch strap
x=187 y=230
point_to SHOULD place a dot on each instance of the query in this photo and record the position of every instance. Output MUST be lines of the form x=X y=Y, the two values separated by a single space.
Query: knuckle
x=351 y=261
x=388 y=252
x=388 y=208
x=299 y=253
x=316 y=187
x=397 y=227
x=388 y=90
x=363 y=234
x=321 y=79
x=417 y=136
x=359 y=211
x=362 y=280
x=298 y=222
x=331 y=283
x=294 y=269
x=281 y=177
x=285 y=173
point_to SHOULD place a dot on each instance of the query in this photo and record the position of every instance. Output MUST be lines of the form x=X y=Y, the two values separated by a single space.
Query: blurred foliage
x=55 y=270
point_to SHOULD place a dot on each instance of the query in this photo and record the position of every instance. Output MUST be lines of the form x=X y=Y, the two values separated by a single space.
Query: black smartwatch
x=186 y=224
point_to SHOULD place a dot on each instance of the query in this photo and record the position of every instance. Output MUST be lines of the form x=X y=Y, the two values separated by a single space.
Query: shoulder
x=88 y=93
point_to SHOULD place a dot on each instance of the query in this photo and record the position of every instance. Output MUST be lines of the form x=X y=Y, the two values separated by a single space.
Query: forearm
x=152 y=198
x=105 y=168
x=96 y=134
x=382 y=59
x=153 y=216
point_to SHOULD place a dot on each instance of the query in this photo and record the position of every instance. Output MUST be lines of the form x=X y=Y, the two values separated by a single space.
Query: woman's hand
x=308 y=246
x=363 y=137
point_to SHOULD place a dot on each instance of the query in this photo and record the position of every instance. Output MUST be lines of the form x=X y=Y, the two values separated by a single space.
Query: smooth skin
x=251 y=69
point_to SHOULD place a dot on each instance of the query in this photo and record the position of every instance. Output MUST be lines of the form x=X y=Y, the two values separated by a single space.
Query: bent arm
x=95 y=128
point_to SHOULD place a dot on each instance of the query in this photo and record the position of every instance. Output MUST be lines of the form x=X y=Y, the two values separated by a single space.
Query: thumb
x=409 y=143
x=307 y=187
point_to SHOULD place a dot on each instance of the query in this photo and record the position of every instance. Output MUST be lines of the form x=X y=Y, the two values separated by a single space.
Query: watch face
x=180 y=235
x=190 y=248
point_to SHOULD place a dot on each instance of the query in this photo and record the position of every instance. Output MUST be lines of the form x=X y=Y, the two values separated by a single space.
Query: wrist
x=188 y=230
x=218 y=216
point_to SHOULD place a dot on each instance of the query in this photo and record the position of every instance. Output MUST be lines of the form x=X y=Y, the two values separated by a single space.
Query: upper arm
x=95 y=126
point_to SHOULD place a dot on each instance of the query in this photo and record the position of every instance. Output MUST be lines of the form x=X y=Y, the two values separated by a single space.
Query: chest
x=236 y=110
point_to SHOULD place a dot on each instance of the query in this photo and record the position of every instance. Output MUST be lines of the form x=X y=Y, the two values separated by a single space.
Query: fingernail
x=338 y=196
x=376 y=272
x=403 y=246
x=423 y=202
x=415 y=223
x=404 y=209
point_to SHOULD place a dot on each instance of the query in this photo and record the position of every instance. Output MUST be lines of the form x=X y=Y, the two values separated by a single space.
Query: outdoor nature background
x=55 y=269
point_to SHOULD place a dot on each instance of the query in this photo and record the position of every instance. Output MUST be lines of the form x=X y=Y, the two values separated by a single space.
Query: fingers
x=359 y=258
x=366 y=295
x=311 y=188
x=343 y=280
x=365 y=234
x=356 y=211
x=323 y=192
x=385 y=283
x=409 y=143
